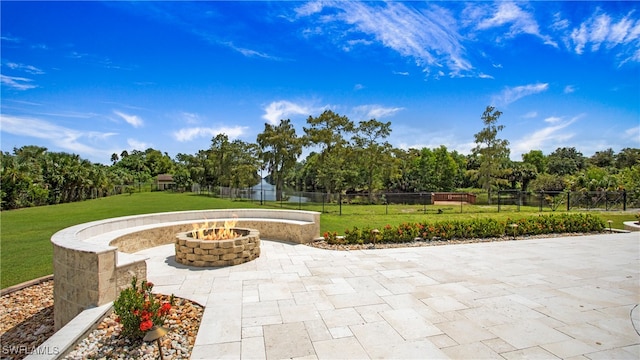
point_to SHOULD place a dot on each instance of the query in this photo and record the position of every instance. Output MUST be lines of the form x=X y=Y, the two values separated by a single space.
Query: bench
x=93 y=262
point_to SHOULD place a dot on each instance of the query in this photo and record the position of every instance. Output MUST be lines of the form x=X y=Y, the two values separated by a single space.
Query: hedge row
x=470 y=229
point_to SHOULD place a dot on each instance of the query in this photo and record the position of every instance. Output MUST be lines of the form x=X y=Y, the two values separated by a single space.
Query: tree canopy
x=343 y=157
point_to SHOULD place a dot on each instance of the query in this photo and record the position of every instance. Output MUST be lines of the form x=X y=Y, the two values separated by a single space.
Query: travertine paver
x=567 y=298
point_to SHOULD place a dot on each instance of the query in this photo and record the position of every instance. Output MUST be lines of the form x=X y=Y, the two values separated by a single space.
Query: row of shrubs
x=470 y=229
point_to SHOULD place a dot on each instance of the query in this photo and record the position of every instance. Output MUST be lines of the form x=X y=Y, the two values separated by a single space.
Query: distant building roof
x=165 y=177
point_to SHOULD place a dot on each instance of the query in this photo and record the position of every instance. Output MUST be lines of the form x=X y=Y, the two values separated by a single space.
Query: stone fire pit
x=202 y=253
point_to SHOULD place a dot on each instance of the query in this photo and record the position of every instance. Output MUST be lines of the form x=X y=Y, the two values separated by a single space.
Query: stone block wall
x=91 y=265
x=201 y=253
x=81 y=278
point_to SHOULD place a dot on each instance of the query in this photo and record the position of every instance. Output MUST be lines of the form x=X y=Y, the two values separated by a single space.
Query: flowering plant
x=138 y=310
x=331 y=237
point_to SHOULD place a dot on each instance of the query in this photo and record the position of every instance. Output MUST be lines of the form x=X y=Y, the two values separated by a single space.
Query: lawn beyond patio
x=26 y=252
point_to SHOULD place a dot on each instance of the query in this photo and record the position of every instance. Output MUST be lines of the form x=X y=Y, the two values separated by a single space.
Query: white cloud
x=375 y=111
x=190 y=118
x=351 y=44
x=549 y=137
x=509 y=13
x=553 y=119
x=358 y=87
x=17 y=83
x=403 y=73
x=26 y=68
x=428 y=36
x=569 y=89
x=559 y=23
x=280 y=110
x=530 y=115
x=513 y=94
x=310 y=8
x=10 y=39
x=62 y=137
x=601 y=30
x=633 y=133
x=188 y=134
x=137 y=145
x=249 y=52
x=132 y=120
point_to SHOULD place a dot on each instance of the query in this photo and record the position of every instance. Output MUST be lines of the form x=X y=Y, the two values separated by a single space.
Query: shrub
x=477 y=228
x=138 y=310
x=331 y=237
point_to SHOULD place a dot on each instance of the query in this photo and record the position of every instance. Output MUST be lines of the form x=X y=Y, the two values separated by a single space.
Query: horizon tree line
x=345 y=157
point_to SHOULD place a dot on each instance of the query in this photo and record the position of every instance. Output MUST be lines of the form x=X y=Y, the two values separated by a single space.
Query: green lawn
x=26 y=251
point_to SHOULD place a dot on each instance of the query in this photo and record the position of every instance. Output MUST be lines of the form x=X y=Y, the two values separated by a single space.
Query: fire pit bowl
x=225 y=252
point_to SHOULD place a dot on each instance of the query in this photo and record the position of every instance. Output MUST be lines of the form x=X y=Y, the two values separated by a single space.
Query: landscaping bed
x=27 y=321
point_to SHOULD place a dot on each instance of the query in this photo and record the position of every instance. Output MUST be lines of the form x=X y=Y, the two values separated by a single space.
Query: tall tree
x=401 y=174
x=537 y=159
x=493 y=152
x=603 y=159
x=329 y=131
x=372 y=155
x=521 y=173
x=627 y=158
x=218 y=164
x=280 y=148
x=565 y=161
x=244 y=164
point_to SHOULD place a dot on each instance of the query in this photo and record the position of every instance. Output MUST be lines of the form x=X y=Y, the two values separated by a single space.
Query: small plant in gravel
x=331 y=237
x=138 y=310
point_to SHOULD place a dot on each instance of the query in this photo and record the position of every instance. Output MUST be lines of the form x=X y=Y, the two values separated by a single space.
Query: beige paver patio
x=569 y=297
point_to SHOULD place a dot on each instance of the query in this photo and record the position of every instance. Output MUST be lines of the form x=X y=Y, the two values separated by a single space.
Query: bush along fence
x=469 y=229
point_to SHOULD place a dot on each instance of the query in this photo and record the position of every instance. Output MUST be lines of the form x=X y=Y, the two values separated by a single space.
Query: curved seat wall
x=93 y=261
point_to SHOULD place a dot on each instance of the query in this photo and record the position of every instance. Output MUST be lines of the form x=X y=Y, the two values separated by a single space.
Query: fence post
x=340 y=201
x=386 y=205
x=541 y=199
x=424 y=204
x=498 y=200
x=568 y=200
x=624 y=199
x=606 y=200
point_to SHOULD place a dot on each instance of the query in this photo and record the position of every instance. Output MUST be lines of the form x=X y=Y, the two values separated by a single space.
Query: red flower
x=145 y=315
x=165 y=308
x=118 y=320
x=146 y=325
x=149 y=284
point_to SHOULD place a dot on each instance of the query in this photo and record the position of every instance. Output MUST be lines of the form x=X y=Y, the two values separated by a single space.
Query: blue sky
x=96 y=78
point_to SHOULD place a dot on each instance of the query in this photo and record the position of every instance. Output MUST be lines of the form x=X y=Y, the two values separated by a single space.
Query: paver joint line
x=502 y=300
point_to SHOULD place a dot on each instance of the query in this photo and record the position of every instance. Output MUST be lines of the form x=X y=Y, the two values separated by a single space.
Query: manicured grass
x=26 y=251
x=25 y=248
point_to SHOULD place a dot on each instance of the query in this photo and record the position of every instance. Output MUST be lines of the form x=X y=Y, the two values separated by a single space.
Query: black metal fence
x=427 y=202
x=565 y=200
